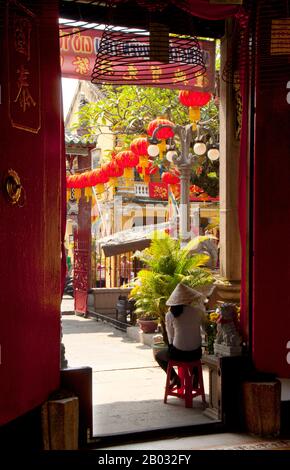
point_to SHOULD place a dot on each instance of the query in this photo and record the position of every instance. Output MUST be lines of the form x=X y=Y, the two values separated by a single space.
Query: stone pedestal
x=223 y=350
x=229 y=292
x=214 y=406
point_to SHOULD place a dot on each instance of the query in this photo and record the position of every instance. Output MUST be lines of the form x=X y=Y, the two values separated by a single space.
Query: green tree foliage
x=206 y=175
x=129 y=109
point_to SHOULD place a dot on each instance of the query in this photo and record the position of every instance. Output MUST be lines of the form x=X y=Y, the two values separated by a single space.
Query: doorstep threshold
x=115 y=439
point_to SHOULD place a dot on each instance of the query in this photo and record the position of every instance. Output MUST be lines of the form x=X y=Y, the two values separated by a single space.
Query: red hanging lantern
x=127 y=160
x=69 y=182
x=113 y=171
x=131 y=159
x=75 y=181
x=194 y=100
x=139 y=146
x=165 y=132
x=119 y=159
x=97 y=178
x=80 y=181
x=170 y=178
x=104 y=171
x=162 y=134
x=86 y=179
x=91 y=178
x=102 y=177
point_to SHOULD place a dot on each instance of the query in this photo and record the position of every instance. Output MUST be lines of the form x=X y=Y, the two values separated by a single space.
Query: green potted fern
x=166 y=264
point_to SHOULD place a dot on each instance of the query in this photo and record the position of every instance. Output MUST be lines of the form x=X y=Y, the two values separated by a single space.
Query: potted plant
x=166 y=264
x=147 y=321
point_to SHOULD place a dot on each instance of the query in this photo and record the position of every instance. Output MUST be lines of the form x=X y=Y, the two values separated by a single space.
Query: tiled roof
x=75 y=139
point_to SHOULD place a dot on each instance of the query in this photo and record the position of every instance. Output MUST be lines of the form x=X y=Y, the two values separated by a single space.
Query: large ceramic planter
x=148 y=326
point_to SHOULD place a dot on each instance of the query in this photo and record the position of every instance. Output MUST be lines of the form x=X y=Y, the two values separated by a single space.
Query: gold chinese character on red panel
x=156 y=73
x=82 y=65
x=180 y=76
x=22 y=31
x=23 y=97
x=24 y=68
x=131 y=74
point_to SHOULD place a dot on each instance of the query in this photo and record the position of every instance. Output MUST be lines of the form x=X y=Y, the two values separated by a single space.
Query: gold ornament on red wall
x=23 y=69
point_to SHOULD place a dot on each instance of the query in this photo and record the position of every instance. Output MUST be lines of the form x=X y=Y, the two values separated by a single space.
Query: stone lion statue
x=206 y=245
x=227 y=326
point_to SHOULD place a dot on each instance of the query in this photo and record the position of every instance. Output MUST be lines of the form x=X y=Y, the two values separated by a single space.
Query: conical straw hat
x=184 y=295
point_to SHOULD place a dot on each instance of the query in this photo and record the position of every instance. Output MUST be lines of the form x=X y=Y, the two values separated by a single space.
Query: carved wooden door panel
x=30 y=177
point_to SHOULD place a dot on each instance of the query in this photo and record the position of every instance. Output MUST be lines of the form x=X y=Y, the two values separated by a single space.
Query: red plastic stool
x=186 y=390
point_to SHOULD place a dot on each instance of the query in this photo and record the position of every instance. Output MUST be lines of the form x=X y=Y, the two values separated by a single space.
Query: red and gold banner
x=78 y=51
x=160 y=191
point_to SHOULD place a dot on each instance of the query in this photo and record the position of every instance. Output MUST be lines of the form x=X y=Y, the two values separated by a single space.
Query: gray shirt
x=184 y=332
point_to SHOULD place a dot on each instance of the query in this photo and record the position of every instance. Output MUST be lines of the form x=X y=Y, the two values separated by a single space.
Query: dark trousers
x=163 y=357
x=123 y=280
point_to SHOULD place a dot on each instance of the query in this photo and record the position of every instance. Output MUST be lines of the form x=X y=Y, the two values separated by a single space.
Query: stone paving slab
x=128 y=385
x=67 y=305
x=102 y=347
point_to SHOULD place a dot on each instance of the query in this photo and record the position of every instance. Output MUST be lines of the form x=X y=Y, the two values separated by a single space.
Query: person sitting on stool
x=184 y=322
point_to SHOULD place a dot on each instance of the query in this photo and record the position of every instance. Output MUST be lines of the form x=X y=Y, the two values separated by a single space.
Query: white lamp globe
x=153 y=150
x=170 y=155
x=199 y=148
x=213 y=154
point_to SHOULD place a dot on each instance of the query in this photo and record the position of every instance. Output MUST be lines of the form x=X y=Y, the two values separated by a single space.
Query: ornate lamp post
x=183 y=158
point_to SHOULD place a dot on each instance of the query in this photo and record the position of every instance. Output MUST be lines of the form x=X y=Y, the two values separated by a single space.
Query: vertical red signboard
x=82 y=256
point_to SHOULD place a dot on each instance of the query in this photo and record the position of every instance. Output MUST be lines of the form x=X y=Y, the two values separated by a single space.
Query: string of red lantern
x=123 y=162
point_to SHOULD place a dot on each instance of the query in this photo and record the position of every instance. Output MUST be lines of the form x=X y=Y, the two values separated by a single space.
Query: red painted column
x=271 y=217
